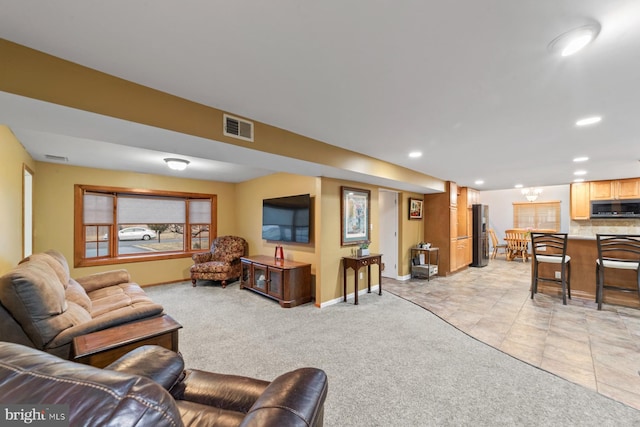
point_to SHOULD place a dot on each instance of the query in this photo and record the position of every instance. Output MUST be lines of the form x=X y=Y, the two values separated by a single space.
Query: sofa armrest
x=293 y=399
x=230 y=392
x=96 y=281
x=157 y=363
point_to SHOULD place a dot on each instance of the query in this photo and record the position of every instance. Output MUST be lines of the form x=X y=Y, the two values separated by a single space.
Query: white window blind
x=97 y=208
x=200 y=211
x=537 y=215
x=150 y=210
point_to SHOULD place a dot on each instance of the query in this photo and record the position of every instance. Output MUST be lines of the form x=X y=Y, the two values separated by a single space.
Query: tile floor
x=597 y=349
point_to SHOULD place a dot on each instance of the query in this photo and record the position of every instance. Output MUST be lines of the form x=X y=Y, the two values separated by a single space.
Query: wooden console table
x=356 y=263
x=103 y=347
x=288 y=282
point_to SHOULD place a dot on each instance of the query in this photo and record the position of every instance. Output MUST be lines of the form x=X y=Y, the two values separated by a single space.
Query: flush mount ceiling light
x=177 y=164
x=574 y=40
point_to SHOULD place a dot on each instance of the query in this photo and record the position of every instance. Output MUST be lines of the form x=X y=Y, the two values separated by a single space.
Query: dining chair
x=551 y=248
x=496 y=246
x=619 y=251
x=517 y=244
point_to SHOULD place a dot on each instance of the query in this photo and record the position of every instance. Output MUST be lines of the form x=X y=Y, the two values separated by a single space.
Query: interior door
x=388 y=206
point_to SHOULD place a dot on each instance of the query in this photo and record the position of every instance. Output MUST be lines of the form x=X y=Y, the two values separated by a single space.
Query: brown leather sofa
x=222 y=262
x=149 y=387
x=41 y=306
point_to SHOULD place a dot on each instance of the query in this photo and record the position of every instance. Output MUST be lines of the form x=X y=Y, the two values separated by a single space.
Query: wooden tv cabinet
x=288 y=282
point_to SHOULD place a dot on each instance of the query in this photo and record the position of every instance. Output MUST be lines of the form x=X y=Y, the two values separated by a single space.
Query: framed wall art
x=354 y=215
x=415 y=208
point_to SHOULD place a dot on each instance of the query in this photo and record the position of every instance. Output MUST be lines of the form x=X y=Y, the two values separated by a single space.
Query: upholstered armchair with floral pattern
x=222 y=262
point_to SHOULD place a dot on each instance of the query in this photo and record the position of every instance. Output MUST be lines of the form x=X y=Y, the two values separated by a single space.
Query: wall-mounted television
x=286 y=219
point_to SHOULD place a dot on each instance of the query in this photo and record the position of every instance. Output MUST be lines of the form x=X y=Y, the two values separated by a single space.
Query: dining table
x=518 y=239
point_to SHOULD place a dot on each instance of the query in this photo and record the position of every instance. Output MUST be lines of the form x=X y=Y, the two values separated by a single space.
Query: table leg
x=380 y=277
x=355 y=286
x=369 y=278
x=344 y=281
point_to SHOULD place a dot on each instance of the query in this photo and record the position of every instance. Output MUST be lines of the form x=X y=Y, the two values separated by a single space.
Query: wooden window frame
x=78 y=214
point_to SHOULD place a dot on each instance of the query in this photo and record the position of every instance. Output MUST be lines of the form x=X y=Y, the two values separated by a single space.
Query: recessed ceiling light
x=415 y=154
x=519 y=186
x=479 y=182
x=579 y=173
x=578 y=180
x=588 y=121
x=574 y=40
x=581 y=159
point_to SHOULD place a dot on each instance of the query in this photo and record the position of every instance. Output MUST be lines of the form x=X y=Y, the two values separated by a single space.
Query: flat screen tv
x=286 y=219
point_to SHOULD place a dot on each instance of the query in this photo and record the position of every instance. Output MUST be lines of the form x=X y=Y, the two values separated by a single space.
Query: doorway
x=388 y=206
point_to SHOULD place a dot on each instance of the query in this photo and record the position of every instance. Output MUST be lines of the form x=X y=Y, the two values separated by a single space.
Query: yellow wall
x=53 y=217
x=411 y=232
x=13 y=158
x=239 y=212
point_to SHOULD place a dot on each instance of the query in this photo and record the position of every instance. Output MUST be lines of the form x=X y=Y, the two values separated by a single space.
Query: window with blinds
x=537 y=215
x=113 y=224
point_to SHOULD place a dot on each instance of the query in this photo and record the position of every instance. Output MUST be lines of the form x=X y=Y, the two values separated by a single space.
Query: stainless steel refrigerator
x=480 y=239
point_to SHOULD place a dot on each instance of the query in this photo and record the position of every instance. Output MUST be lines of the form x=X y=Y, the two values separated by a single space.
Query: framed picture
x=415 y=209
x=354 y=215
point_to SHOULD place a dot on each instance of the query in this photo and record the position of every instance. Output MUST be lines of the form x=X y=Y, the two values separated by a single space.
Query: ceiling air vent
x=237 y=128
x=54 y=158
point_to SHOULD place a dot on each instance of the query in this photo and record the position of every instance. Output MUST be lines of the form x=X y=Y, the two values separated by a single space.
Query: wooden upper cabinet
x=612 y=190
x=601 y=190
x=453 y=193
x=628 y=188
x=473 y=197
x=580 y=201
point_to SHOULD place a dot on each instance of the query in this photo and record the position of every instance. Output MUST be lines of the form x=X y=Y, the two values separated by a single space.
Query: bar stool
x=619 y=251
x=551 y=248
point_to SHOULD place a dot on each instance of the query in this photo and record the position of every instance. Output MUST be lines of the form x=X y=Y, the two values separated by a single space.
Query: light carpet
x=389 y=361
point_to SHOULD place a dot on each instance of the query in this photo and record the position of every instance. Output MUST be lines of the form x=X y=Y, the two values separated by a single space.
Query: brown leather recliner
x=222 y=262
x=149 y=387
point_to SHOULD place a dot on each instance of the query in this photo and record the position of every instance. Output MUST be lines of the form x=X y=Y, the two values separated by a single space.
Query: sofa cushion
x=76 y=293
x=34 y=295
x=106 y=300
x=57 y=255
x=52 y=262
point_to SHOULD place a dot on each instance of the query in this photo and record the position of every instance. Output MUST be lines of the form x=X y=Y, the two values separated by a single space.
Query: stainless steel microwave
x=615 y=208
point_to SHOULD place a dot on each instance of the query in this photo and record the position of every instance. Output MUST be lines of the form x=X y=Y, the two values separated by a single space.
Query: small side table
x=103 y=347
x=428 y=266
x=356 y=263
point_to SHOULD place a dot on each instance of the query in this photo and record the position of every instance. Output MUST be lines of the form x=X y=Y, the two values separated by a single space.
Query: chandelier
x=531 y=193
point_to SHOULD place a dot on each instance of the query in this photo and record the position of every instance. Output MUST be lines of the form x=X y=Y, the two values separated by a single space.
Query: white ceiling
x=470 y=83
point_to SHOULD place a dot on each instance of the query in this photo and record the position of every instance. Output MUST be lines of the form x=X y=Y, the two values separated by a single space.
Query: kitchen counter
x=583 y=251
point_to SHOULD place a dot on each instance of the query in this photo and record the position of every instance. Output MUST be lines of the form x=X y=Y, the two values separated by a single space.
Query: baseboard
x=349 y=296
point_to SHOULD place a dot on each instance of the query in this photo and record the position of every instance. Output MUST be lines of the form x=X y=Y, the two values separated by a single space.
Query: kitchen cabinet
x=448 y=226
x=453 y=194
x=613 y=190
x=580 y=201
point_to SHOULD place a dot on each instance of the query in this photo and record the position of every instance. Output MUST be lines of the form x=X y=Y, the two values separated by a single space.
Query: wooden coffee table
x=103 y=347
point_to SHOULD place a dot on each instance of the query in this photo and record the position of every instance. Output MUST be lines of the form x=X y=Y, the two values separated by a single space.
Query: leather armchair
x=222 y=262
x=149 y=387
